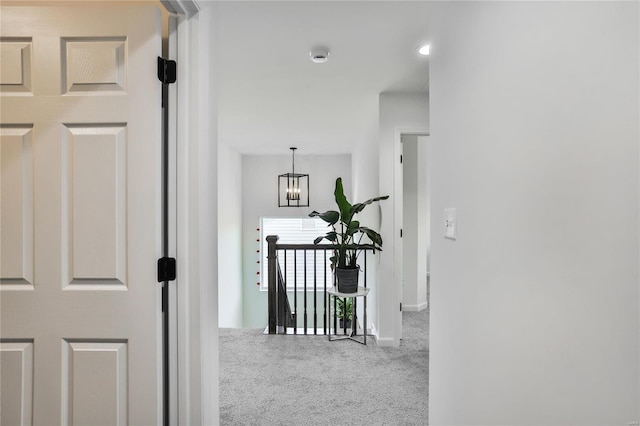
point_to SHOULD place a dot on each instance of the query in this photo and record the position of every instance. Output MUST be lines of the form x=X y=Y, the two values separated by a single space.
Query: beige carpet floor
x=306 y=380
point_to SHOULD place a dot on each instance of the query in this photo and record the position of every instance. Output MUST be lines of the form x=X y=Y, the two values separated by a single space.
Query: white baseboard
x=385 y=341
x=415 y=308
x=382 y=341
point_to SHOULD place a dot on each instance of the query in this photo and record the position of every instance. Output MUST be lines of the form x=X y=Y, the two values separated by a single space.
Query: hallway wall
x=365 y=170
x=534 y=139
x=229 y=238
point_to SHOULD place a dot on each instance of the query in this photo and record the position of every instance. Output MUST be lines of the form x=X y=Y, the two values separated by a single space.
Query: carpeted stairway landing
x=306 y=380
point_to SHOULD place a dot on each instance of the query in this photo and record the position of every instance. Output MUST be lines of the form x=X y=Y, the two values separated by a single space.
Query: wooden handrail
x=321 y=247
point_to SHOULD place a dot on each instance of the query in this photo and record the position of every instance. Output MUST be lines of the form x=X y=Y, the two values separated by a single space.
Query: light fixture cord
x=293 y=161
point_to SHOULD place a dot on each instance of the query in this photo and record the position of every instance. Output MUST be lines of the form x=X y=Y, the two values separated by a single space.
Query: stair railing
x=314 y=285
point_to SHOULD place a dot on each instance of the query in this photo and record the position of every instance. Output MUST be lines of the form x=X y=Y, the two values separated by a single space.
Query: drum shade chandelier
x=293 y=188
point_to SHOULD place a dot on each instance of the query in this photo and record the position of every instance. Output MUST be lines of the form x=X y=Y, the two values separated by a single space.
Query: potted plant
x=344 y=311
x=346 y=235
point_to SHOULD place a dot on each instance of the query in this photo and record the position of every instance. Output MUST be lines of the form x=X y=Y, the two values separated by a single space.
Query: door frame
x=196 y=221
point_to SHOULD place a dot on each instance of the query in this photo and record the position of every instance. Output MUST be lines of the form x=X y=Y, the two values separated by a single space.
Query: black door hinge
x=401 y=159
x=167 y=70
x=166 y=269
x=400 y=307
x=400 y=233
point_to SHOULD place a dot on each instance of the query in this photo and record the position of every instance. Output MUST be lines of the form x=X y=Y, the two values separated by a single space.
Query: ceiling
x=271 y=96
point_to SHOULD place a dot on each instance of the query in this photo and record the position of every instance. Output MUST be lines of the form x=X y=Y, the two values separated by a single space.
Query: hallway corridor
x=306 y=380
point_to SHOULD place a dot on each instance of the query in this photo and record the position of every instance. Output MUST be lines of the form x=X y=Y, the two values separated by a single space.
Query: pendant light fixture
x=293 y=188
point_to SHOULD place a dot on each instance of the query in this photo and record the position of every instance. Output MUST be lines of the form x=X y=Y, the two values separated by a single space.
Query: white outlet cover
x=450 y=224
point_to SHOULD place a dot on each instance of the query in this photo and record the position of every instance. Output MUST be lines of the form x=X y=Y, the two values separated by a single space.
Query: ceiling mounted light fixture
x=319 y=55
x=425 y=50
x=293 y=188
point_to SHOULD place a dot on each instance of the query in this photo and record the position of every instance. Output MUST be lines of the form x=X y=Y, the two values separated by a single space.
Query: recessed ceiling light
x=424 y=50
x=319 y=55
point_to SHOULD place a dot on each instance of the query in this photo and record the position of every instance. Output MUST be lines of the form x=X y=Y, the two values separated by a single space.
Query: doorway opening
x=416 y=236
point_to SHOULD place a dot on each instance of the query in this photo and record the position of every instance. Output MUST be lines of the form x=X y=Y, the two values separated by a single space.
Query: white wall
x=260 y=199
x=365 y=168
x=534 y=139
x=229 y=237
x=398 y=112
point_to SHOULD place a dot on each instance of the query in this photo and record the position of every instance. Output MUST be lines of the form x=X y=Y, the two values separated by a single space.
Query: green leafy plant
x=346 y=232
x=344 y=307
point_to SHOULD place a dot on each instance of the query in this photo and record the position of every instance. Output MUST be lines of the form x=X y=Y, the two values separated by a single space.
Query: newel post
x=272 y=277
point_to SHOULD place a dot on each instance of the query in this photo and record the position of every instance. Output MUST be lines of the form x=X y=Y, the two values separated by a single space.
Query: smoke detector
x=319 y=55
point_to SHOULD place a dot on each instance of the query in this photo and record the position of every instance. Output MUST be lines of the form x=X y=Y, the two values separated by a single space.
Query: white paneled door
x=80 y=134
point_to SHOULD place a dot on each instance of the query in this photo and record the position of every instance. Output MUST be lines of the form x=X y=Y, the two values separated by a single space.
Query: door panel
x=16 y=200
x=15 y=67
x=94 y=371
x=96 y=164
x=92 y=65
x=80 y=219
x=16 y=386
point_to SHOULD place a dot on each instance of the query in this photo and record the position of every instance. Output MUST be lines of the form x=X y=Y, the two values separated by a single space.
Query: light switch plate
x=450 y=223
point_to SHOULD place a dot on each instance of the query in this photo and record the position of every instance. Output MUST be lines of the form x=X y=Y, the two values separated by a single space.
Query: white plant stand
x=362 y=292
